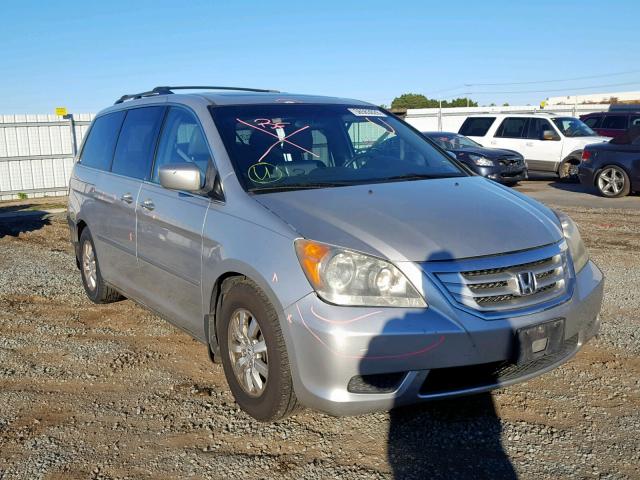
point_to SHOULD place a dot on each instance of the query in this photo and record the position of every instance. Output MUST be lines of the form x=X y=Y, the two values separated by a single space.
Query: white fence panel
x=36 y=153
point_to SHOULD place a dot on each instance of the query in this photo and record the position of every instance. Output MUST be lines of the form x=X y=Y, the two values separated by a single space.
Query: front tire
x=94 y=285
x=254 y=355
x=613 y=182
x=568 y=171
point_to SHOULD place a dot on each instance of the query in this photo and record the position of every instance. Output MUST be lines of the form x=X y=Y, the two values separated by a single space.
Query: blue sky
x=85 y=54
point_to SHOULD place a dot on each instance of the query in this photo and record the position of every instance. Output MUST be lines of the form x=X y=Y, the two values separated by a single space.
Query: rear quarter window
x=101 y=142
x=476 y=126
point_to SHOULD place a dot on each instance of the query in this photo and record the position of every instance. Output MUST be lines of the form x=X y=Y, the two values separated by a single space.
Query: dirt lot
x=112 y=391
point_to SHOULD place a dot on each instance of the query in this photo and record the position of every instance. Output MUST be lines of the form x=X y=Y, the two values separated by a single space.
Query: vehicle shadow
x=13 y=226
x=454 y=438
x=573 y=187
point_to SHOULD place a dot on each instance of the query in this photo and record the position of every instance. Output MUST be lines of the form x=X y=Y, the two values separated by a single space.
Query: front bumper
x=503 y=174
x=331 y=346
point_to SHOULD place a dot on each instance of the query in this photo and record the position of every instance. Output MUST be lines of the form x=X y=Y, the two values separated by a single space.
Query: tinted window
x=512 y=127
x=537 y=127
x=134 y=152
x=182 y=141
x=618 y=122
x=296 y=146
x=101 y=142
x=476 y=126
x=593 y=122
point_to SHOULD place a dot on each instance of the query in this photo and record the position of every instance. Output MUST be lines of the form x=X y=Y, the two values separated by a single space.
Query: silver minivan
x=327 y=253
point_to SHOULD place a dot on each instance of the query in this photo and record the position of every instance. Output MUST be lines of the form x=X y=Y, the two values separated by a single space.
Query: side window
x=476 y=126
x=615 y=122
x=635 y=121
x=512 y=127
x=537 y=126
x=182 y=141
x=101 y=142
x=593 y=122
x=134 y=152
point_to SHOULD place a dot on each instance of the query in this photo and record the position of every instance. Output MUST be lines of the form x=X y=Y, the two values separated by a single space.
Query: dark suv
x=614 y=122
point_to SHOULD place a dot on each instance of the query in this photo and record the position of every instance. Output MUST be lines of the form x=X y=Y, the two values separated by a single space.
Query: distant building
x=595 y=98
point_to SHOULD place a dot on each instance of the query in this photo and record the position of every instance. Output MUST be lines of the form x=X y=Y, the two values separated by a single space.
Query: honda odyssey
x=327 y=253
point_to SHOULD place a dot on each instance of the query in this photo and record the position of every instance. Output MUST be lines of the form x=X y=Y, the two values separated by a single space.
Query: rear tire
x=254 y=355
x=94 y=285
x=613 y=182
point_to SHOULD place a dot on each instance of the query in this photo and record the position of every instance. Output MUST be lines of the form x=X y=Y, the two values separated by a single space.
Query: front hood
x=491 y=153
x=423 y=220
x=588 y=140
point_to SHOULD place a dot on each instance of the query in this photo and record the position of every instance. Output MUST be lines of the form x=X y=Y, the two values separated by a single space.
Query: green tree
x=459 y=102
x=417 y=100
x=413 y=100
x=505 y=104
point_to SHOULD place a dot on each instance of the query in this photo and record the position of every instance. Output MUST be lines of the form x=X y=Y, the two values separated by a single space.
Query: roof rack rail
x=169 y=90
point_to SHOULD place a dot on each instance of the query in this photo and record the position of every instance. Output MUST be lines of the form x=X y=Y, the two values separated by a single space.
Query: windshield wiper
x=298 y=186
x=421 y=176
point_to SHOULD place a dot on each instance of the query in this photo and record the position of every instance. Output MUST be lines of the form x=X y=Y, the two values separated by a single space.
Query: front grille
x=509 y=161
x=498 y=289
x=442 y=380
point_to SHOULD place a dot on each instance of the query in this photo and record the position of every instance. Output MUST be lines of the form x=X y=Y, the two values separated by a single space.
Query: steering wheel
x=358 y=161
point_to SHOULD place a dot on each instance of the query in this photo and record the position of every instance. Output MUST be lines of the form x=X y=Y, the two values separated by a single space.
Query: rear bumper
x=586 y=174
x=394 y=351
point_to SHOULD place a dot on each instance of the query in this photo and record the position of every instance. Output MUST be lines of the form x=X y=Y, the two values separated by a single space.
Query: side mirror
x=549 y=135
x=181 y=176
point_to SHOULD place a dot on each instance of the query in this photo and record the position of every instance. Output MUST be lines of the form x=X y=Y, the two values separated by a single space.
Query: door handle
x=148 y=205
x=529 y=144
x=127 y=198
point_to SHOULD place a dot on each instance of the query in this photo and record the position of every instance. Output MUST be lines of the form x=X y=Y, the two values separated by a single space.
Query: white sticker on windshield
x=366 y=112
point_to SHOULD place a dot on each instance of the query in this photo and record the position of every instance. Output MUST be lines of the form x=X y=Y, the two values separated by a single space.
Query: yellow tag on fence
x=61 y=111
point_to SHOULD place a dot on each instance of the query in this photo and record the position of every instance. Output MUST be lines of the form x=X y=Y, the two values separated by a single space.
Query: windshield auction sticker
x=366 y=112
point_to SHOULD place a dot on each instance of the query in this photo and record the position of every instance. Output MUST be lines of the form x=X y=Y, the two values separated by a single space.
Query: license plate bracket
x=539 y=340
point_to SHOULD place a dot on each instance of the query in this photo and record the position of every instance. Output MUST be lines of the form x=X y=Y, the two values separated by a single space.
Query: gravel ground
x=106 y=392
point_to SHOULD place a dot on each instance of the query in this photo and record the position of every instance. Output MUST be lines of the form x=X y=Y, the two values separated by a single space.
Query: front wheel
x=253 y=352
x=568 y=172
x=613 y=182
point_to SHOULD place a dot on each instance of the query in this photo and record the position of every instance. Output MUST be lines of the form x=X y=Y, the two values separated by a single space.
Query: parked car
x=320 y=267
x=615 y=122
x=548 y=142
x=613 y=168
x=504 y=166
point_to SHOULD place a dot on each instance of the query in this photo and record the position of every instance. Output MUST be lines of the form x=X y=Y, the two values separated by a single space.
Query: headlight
x=577 y=249
x=344 y=277
x=481 y=161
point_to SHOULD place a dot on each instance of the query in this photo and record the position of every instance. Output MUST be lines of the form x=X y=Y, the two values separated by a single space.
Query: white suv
x=548 y=142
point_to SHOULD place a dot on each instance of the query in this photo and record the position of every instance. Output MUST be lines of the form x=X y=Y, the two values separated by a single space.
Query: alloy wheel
x=611 y=181
x=89 y=266
x=248 y=352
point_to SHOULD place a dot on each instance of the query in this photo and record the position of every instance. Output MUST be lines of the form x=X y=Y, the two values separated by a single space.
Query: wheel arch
x=228 y=272
x=573 y=158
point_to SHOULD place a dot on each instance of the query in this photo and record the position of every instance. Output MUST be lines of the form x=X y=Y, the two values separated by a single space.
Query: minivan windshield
x=294 y=146
x=573 y=127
